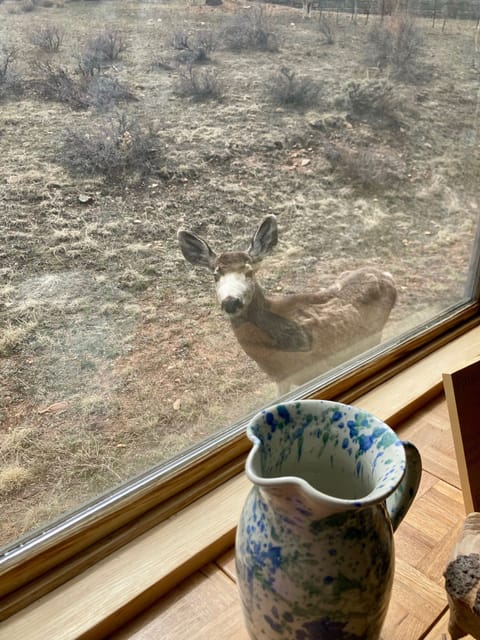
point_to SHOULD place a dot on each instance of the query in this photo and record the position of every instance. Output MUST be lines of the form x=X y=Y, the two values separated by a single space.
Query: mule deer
x=294 y=337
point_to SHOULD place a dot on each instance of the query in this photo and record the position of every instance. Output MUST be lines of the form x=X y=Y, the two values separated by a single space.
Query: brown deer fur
x=295 y=337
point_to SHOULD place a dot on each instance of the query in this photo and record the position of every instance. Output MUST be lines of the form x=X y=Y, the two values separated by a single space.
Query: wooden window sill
x=119 y=586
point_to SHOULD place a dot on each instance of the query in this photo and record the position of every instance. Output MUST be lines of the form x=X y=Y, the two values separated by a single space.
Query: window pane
x=123 y=122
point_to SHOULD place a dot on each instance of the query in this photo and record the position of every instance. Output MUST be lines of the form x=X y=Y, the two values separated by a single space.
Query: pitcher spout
x=319 y=458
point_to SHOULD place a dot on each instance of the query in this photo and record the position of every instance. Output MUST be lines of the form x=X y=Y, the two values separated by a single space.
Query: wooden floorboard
x=440 y=631
x=206 y=606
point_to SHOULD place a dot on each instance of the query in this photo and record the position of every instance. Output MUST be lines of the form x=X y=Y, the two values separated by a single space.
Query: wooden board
x=462 y=391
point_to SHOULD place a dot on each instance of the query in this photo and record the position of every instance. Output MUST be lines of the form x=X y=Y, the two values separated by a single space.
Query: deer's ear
x=195 y=250
x=264 y=239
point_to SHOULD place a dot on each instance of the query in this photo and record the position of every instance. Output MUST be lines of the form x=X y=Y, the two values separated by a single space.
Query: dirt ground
x=114 y=355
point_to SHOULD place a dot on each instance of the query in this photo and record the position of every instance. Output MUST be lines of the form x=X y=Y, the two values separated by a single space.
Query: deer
x=295 y=337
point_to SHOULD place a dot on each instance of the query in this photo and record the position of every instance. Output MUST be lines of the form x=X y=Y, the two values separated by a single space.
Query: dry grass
x=13 y=336
x=12 y=478
x=101 y=320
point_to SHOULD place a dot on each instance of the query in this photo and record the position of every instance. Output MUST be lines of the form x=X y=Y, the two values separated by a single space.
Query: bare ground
x=113 y=354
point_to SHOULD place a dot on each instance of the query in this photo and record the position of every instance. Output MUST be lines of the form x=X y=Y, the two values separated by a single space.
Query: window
x=123 y=122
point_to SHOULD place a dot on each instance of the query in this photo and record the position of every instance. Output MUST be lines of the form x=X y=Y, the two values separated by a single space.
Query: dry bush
x=396 y=46
x=118 y=147
x=327 y=27
x=27 y=6
x=373 y=168
x=12 y=478
x=249 y=31
x=56 y=83
x=108 y=45
x=198 y=85
x=24 y=6
x=100 y=52
x=195 y=48
x=104 y=92
x=47 y=38
x=89 y=63
x=10 y=83
x=376 y=101
x=287 y=89
x=82 y=91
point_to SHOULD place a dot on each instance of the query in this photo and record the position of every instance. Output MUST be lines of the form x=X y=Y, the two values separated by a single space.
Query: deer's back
x=362 y=298
x=299 y=336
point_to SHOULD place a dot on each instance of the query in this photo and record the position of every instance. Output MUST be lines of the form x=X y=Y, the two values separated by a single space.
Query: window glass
x=122 y=122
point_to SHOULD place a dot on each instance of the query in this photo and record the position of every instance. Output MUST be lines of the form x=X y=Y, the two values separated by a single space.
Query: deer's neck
x=279 y=332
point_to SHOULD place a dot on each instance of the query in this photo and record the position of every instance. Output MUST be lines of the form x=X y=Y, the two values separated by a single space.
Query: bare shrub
x=80 y=91
x=89 y=63
x=370 y=167
x=27 y=6
x=250 y=31
x=8 y=56
x=195 y=48
x=118 y=147
x=327 y=27
x=395 y=45
x=56 y=83
x=100 y=52
x=179 y=40
x=10 y=83
x=286 y=88
x=205 y=40
x=24 y=6
x=199 y=85
x=47 y=38
x=103 y=92
x=108 y=45
x=376 y=101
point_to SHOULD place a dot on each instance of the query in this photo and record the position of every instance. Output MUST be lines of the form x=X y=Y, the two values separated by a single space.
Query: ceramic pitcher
x=314 y=548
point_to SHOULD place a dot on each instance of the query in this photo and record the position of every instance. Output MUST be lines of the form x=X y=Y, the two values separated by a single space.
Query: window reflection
x=123 y=122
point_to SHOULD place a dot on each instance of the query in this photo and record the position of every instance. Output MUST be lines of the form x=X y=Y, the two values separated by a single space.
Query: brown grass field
x=113 y=353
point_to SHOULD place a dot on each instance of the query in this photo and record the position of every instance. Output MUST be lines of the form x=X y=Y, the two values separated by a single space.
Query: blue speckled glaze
x=314 y=549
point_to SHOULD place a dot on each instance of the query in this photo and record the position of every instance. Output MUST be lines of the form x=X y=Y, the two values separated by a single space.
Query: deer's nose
x=231 y=304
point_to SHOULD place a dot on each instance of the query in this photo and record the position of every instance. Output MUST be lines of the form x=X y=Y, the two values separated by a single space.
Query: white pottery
x=314 y=549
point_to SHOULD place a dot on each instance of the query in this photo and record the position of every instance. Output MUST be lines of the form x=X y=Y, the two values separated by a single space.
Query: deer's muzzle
x=231 y=305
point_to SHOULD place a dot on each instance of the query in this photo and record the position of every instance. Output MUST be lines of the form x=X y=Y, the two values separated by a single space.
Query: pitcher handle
x=399 y=502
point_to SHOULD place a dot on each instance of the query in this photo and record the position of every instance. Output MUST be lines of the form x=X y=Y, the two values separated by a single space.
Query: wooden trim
x=104 y=517
x=462 y=388
x=102 y=598
x=17 y=599
x=472 y=288
x=122 y=584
